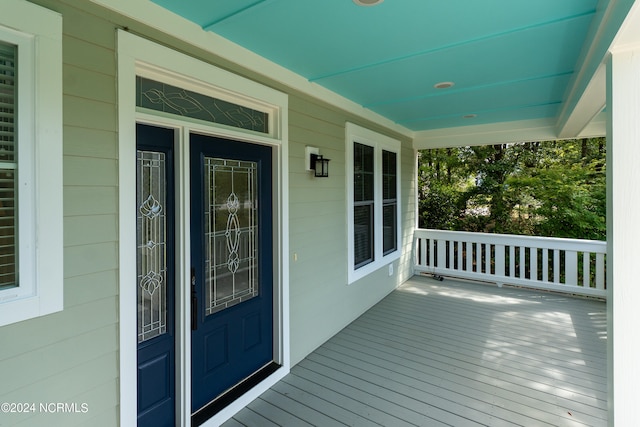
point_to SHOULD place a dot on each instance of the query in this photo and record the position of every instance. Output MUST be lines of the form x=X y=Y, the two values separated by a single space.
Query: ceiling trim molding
x=503 y=133
x=481 y=112
x=497 y=133
x=161 y=19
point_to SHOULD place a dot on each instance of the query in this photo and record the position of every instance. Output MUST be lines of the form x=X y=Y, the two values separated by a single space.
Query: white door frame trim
x=138 y=56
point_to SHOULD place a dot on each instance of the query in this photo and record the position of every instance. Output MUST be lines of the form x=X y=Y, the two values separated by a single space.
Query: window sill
x=372 y=267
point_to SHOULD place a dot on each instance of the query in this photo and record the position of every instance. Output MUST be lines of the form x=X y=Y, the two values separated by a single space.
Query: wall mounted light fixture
x=316 y=163
x=320 y=165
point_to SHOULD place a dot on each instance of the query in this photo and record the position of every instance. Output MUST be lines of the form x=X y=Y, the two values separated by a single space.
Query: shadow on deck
x=451 y=353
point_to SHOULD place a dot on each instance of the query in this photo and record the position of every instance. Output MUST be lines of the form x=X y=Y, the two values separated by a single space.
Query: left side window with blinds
x=8 y=166
x=31 y=249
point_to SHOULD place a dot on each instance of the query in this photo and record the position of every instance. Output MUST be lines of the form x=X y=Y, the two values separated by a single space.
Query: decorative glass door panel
x=155 y=276
x=151 y=243
x=231 y=233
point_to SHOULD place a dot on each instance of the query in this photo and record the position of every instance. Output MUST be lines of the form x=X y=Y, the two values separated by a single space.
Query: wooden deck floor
x=455 y=354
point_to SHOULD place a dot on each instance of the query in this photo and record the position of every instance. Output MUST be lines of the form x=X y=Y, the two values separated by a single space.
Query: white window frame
x=38 y=34
x=379 y=142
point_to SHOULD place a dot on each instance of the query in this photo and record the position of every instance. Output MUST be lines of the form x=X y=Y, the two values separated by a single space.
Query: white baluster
x=571 y=268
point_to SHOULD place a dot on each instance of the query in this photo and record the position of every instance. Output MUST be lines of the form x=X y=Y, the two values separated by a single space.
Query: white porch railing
x=566 y=265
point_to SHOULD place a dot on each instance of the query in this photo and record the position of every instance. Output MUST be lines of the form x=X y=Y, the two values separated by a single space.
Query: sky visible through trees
x=552 y=188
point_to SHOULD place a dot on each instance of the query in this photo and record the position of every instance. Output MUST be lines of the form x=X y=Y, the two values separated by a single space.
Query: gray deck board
x=403 y=396
x=234 y=423
x=451 y=354
x=456 y=353
x=481 y=405
x=501 y=390
x=275 y=414
x=380 y=410
x=299 y=409
x=248 y=417
x=311 y=395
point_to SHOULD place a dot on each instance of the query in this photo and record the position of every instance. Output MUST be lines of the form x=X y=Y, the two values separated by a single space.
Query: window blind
x=390 y=202
x=8 y=165
x=363 y=213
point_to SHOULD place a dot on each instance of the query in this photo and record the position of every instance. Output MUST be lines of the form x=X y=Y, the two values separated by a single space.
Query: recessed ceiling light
x=443 y=85
x=470 y=116
x=367 y=2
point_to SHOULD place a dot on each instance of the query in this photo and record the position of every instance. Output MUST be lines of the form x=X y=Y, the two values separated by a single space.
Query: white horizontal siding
x=71 y=356
x=321 y=300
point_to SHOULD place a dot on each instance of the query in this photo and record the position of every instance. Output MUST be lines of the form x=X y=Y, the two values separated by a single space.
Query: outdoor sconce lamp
x=316 y=163
x=320 y=165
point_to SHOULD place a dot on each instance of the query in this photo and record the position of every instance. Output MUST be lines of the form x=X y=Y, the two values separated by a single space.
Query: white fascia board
x=591 y=103
x=628 y=38
x=586 y=95
x=495 y=133
x=157 y=17
x=596 y=128
x=586 y=118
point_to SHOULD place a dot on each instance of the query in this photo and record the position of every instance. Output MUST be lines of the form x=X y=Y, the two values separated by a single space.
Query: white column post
x=623 y=234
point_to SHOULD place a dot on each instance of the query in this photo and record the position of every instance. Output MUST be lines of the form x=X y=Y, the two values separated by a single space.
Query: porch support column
x=623 y=234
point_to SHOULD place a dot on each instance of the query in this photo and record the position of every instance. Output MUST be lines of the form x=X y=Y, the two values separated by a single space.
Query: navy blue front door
x=155 y=276
x=232 y=267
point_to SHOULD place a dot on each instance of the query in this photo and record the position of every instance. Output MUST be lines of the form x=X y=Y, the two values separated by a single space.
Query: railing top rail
x=596 y=246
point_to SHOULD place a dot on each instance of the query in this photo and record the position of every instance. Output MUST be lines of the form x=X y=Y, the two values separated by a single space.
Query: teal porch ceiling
x=509 y=60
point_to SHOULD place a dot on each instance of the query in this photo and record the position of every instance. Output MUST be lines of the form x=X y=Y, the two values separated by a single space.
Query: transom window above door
x=159 y=96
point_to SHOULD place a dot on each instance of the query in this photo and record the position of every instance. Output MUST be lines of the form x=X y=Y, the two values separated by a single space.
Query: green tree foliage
x=536 y=188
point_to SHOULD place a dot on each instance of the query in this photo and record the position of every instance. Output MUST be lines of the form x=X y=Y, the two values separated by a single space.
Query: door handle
x=194 y=301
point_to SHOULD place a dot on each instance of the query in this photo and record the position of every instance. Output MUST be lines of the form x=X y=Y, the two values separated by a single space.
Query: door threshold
x=225 y=399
